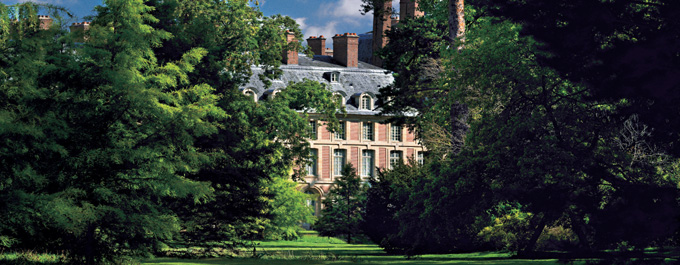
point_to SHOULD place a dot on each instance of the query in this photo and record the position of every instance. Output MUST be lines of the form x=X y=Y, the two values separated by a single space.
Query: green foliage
x=113 y=146
x=289 y=210
x=387 y=196
x=343 y=206
x=542 y=133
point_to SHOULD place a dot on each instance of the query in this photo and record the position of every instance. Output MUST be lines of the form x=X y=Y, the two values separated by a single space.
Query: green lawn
x=332 y=251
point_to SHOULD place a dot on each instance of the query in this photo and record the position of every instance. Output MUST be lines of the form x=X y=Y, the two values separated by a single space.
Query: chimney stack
x=346 y=49
x=45 y=22
x=290 y=57
x=79 y=29
x=318 y=45
x=381 y=22
x=409 y=9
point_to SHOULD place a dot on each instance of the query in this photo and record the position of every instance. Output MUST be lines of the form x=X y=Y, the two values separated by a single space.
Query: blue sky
x=316 y=17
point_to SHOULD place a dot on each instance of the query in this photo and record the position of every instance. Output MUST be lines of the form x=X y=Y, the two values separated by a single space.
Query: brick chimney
x=45 y=22
x=318 y=45
x=381 y=22
x=409 y=9
x=346 y=49
x=290 y=57
x=79 y=29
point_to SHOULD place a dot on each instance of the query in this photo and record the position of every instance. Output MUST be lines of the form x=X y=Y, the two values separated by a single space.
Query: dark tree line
x=572 y=106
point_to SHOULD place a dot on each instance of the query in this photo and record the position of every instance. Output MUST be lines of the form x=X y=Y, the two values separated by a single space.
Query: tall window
x=339 y=158
x=367 y=131
x=311 y=167
x=395 y=133
x=312 y=130
x=395 y=158
x=367 y=158
x=340 y=134
x=365 y=102
x=421 y=158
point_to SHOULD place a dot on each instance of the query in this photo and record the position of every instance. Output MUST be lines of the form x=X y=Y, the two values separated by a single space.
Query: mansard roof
x=366 y=79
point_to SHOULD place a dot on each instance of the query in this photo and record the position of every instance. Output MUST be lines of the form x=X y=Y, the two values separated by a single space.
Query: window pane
x=338 y=161
x=311 y=168
x=312 y=130
x=365 y=102
x=395 y=133
x=340 y=135
x=395 y=158
x=367 y=163
x=368 y=131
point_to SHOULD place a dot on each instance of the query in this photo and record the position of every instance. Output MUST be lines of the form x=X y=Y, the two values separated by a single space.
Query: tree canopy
x=113 y=145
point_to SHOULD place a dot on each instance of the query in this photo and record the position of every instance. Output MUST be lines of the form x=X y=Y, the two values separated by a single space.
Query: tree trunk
x=456 y=21
x=579 y=228
x=459 y=112
x=538 y=230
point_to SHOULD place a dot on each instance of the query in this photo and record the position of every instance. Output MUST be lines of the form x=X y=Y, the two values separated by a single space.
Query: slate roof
x=351 y=82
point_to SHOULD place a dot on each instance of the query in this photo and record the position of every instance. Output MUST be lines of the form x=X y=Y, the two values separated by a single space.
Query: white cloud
x=328 y=30
x=342 y=9
x=301 y=22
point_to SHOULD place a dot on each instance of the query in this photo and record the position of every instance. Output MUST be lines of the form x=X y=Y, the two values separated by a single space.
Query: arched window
x=339 y=99
x=366 y=102
x=251 y=94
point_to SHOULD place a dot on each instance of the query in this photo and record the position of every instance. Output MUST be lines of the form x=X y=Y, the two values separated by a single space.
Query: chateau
x=350 y=72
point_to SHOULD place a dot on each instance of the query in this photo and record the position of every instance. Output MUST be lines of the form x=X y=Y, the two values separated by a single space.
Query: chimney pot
x=317 y=44
x=346 y=49
x=289 y=57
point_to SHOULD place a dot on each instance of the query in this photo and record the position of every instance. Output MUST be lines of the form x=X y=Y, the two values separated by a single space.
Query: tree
x=112 y=146
x=258 y=144
x=343 y=206
x=289 y=209
x=542 y=141
x=619 y=49
x=386 y=198
x=112 y=133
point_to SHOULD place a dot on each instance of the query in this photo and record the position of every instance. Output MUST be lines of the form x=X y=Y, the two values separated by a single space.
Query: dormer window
x=271 y=93
x=332 y=77
x=251 y=94
x=337 y=98
x=366 y=102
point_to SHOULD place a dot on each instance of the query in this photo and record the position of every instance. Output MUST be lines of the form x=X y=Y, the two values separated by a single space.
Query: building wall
x=354 y=145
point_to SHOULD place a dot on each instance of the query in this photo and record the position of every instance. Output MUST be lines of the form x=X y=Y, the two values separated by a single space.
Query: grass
x=30 y=258
x=314 y=250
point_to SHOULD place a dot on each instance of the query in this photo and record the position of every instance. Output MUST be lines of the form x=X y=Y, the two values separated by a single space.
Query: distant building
x=365 y=140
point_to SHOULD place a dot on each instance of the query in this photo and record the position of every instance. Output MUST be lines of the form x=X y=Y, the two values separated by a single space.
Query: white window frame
x=367 y=163
x=251 y=94
x=395 y=157
x=341 y=134
x=365 y=102
x=396 y=133
x=339 y=160
x=313 y=130
x=312 y=168
x=420 y=157
x=367 y=131
x=338 y=96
